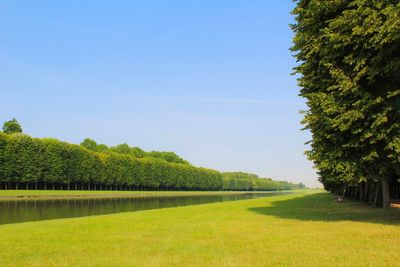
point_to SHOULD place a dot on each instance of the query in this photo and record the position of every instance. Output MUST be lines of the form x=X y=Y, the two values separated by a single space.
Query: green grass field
x=23 y=194
x=307 y=228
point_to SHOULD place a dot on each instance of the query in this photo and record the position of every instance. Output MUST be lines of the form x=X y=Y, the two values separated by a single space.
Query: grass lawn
x=11 y=194
x=307 y=228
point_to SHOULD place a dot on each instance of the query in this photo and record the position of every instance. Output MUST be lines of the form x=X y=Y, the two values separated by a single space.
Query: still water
x=14 y=211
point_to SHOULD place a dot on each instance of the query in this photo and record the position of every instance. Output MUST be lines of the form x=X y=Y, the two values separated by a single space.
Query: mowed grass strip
x=304 y=229
x=16 y=194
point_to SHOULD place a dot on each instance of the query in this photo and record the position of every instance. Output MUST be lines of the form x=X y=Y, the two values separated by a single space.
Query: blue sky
x=209 y=80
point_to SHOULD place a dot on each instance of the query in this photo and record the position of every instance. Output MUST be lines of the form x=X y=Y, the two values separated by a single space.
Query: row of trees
x=27 y=162
x=251 y=182
x=33 y=163
x=349 y=66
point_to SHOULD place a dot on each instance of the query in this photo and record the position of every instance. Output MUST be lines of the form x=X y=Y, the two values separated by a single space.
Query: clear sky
x=209 y=80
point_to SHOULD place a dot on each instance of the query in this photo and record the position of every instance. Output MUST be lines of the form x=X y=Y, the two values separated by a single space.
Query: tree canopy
x=43 y=163
x=349 y=64
x=12 y=126
x=251 y=182
x=49 y=163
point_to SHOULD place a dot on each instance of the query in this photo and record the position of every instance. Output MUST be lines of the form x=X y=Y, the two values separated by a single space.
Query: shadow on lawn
x=323 y=207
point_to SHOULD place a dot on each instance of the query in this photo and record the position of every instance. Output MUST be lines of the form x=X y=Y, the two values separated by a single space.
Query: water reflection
x=13 y=211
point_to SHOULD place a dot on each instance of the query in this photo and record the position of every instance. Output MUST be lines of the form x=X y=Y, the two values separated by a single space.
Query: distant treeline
x=33 y=163
x=251 y=182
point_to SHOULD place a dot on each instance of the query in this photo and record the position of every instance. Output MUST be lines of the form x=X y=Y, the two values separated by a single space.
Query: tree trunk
x=385 y=192
x=343 y=191
x=356 y=193
x=377 y=188
x=371 y=188
x=366 y=192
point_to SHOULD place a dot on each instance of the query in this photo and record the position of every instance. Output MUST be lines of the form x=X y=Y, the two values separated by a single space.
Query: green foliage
x=12 y=126
x=240 y=175
x=24 y=159
x=167 y=156
x=89 y=144
x=349 y=65
x=82 y=165
x=102 y=148
x=139 y=153
x=4 y=139
x=251 y=182
x=92 y=145
x=52 y=161
x=121 y=148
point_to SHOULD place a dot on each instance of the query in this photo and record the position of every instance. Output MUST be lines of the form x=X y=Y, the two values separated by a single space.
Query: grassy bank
x=49 y=194
x=304 y=229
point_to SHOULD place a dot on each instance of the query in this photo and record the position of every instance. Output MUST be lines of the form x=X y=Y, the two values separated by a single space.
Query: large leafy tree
x=89 y=144
x=349 y=65
x=92 y=145
x=12 y=126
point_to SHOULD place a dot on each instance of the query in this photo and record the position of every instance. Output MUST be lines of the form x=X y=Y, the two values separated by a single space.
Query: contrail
x=125 y=52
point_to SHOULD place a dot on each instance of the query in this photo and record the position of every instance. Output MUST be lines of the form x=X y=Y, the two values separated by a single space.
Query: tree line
x=33 y=163
x=349 y=73
x=46 y=163
x=240 y=181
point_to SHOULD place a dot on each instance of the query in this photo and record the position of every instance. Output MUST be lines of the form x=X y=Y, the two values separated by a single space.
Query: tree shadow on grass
x=323 y=207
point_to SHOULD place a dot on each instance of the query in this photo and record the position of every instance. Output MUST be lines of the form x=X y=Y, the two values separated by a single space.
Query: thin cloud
x=125 y=52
